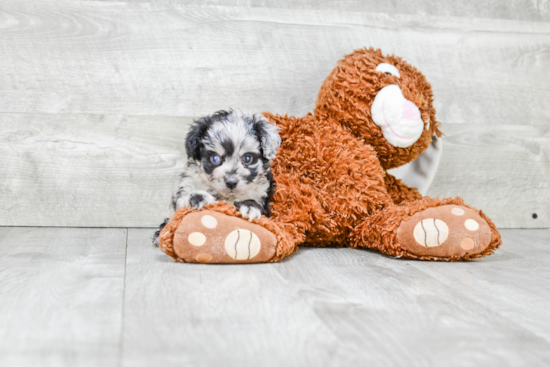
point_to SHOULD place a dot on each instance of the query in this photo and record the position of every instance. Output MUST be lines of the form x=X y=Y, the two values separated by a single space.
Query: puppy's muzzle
x=231 y=182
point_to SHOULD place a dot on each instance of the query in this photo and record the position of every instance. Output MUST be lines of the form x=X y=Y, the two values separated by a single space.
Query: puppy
x=229 y=158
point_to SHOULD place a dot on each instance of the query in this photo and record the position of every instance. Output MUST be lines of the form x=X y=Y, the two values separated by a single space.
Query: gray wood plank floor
x=106 y=297
x=61 y=296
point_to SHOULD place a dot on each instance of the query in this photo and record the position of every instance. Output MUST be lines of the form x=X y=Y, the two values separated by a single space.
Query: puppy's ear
x=268 y=136
x=193 y=140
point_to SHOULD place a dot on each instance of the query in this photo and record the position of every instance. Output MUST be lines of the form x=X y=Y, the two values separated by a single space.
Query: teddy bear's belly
x=326 y=179
x=326 y=210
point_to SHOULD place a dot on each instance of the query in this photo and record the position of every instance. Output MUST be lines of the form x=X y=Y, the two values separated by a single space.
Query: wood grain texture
x=67 y=295
x=511 y=9
x=525 y=258
x=106 y=171
x=88 y=170
x=61 y=294
x=340 y=307
x=71 y=59
x=177 y=59
x=502 y=170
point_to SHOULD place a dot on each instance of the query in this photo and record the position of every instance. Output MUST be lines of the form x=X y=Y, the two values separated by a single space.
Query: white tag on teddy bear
x=421 y=172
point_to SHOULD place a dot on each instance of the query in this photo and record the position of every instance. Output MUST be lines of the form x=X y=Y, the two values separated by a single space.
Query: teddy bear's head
x=383 y=100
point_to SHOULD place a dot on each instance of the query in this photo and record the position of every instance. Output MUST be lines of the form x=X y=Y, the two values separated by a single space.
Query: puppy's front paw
x=198 y=200
x=250 y=212
x=156 y=238
x=249 y=209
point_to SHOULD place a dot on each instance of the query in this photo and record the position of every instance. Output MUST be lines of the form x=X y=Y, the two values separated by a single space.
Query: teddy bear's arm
x=399 y=191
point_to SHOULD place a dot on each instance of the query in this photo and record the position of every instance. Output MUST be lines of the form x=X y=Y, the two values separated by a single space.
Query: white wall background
x=95 y=96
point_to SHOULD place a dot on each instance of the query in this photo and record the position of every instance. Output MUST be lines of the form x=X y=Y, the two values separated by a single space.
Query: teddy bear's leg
x=218 y=235
x=399 y=192
x=429 y=229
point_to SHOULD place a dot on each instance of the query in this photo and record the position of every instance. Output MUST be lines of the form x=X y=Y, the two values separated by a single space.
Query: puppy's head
x=233 y=150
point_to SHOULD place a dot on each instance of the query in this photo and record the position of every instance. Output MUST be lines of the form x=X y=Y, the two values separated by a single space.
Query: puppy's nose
x=231 y=182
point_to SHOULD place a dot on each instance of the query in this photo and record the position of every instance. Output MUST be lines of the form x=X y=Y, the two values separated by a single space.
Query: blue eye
x=215 y=159
x=247 y=159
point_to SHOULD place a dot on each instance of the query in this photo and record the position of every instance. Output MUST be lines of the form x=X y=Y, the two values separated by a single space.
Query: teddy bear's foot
x=212 y=237
x=445 y=232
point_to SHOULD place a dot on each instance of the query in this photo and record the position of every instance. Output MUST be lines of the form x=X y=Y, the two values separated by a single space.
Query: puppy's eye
x=215 y=159
x=247 y=159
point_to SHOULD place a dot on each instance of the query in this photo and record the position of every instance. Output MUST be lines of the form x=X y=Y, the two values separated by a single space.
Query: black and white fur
x=229 y=158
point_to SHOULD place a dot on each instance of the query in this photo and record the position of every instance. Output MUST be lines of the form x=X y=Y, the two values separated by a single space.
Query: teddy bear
x=373 y=113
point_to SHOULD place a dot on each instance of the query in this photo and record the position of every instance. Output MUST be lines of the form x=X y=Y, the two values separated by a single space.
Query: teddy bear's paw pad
x=447 y=231
x=431 y=232
x=211 y=237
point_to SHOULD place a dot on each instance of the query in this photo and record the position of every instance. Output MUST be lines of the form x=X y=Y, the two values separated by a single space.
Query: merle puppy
x=229 y=157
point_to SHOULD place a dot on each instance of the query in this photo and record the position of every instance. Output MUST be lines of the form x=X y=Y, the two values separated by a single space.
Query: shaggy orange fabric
x=330 y=171
x=379 y=231
x=346 y=97
x=287 y=237
x=399 y=191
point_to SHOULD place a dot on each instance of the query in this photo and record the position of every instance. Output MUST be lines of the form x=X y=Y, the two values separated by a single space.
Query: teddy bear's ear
x=268 y=136
x=434 y=125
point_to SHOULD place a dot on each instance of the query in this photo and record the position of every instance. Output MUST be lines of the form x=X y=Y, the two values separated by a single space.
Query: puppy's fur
x=229 y=157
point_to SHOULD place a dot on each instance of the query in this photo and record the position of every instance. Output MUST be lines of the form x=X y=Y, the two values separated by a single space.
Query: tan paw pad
x=241 y=244
x=212 y=237
x=471 y=225
x=203 y=258
x=457 y=211
x=209 y=221
x=196 y=239
x=447 y=231
x=467 y=243
x=431 y=232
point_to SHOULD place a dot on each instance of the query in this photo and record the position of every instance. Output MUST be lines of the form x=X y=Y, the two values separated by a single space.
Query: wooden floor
x=106 y=297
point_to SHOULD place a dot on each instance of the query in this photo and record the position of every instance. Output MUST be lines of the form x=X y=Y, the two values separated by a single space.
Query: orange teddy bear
x=373 y=113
